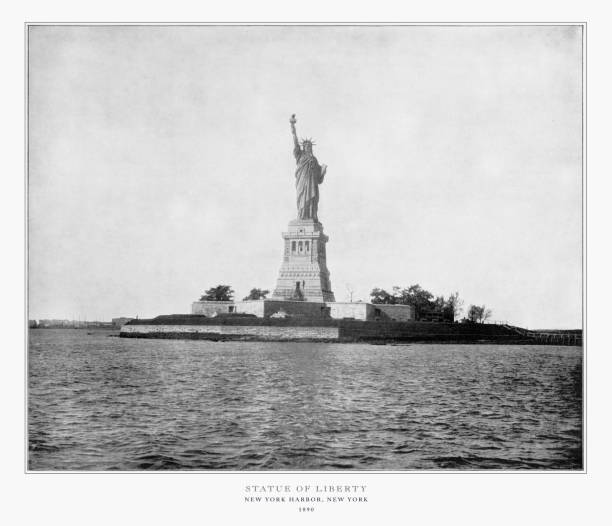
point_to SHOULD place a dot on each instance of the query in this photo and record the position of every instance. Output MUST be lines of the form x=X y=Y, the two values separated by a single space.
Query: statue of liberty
x=308 y=176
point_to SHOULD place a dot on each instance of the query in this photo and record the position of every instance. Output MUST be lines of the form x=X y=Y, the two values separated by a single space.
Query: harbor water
x=97 y=402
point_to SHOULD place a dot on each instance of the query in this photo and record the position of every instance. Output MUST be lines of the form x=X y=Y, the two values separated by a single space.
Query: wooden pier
x=557 y=337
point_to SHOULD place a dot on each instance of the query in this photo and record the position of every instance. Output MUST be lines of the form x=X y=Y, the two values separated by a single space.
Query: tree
x=474 y=313
x=416 y=296
x=454 y=305
x=478 y=314
x=381 y=296
x=257 y=294
x=218 y=293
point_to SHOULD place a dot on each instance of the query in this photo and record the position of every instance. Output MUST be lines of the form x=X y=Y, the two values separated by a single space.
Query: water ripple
x=99 y=403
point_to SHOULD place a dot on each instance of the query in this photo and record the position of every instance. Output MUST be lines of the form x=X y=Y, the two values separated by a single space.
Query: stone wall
x=264 y=332
x=342 y=330
x=425 y=331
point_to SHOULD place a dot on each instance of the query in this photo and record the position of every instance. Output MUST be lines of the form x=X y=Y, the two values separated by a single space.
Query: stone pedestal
x=303 y=275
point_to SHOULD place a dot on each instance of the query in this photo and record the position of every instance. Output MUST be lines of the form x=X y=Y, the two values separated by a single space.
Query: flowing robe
x=308 y=176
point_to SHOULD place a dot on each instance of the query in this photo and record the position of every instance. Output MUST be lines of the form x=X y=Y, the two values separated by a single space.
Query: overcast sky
x=160 y=163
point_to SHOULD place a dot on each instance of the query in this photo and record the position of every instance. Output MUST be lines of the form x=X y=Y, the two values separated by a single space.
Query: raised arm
x=296 y=145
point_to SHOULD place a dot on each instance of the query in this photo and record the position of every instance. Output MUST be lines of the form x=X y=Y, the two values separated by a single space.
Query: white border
x=408 y=498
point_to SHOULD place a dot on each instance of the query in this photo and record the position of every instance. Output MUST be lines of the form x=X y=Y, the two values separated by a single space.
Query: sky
x=160 y=163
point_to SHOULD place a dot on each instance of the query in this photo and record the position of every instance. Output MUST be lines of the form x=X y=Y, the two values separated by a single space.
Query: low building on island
x=274 y=308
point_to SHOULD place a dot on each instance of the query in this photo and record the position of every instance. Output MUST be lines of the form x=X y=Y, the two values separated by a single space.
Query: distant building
x=53 y=324
x=102 y=324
